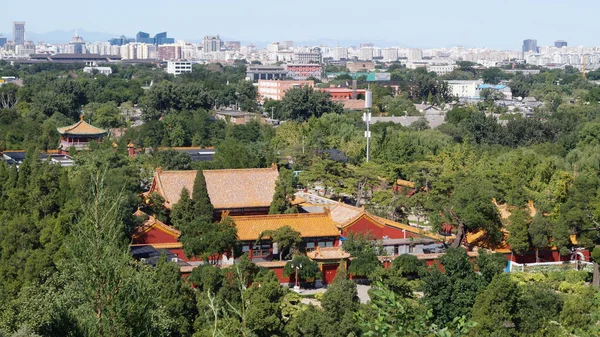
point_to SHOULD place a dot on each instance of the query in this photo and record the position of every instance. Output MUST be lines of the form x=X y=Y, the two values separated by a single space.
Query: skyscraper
x=19 y=33
x=77 y=43
x=560 y=44
x=158 y=39
x=530 y=45
x=211 y=44
x=3 y=40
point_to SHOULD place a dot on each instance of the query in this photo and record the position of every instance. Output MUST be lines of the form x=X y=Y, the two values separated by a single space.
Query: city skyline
x=442 y=24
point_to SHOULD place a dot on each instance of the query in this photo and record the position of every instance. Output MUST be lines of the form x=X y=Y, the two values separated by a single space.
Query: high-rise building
x=78 y=44
x=3 y=40
x=530 y=45
x=158 y=39
x=367 y=45
x=121 y=41
x=211 y=44
x=560 y=44
x=340 y=53
x=143 y=37
x=19 y=33
x=287 y=44
x=389 y=54
x=161 y=38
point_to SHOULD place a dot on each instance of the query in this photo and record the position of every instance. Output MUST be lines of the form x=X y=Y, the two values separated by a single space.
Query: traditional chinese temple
x=236 y=191
x=78 y=136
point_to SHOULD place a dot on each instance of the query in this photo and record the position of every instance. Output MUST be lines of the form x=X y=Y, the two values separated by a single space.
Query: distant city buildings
x=256 y=72
x=98 y=70
x=121 y=41
x=560 y=44
x=302 y=71
x=288 y=60
x=158 y=39
x=530 y=45
x=211 y=44
x=179 y=67
x=233 y=45
x=275 y=89
x=19 y=33
x=78 y=44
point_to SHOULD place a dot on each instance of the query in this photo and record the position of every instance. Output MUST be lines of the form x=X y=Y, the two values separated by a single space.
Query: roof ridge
x=174 y=171
x=243 y=169
x=280 y=216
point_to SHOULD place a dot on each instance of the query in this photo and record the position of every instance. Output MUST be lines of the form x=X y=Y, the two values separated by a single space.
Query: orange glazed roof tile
x=233 y=188
x=151 y=223
x=238 y=188
x=169 y=184
x=328 y=253
x=309 y=225
x=81 y=128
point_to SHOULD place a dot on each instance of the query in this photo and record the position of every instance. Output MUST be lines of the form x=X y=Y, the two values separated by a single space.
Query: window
x=245 y=248
x=310 y=246
x=325 y=244
x=261 y=250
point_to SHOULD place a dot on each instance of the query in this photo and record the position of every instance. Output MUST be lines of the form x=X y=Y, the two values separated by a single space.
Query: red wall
x=364 y=226
x=544 y=256
x=279 y=272
x=155 y=235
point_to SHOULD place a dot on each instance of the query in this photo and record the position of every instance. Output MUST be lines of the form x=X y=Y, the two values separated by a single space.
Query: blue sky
x=426 y=23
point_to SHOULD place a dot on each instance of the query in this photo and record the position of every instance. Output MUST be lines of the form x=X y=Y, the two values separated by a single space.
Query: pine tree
x=202 y=203
x=518 y=228
x=182 y=212
x=284 y=194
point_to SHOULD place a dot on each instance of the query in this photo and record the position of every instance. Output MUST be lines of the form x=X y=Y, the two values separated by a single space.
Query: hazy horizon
x=436 y=23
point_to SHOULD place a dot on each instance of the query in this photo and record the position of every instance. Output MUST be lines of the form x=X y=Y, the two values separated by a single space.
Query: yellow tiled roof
x=169 y=184
x=238 y=188
x=81 y=128
x=405 y=183
x=233 y=188
x=309 y=225
x=345 y=215
x=328 y=253
x=151 y=223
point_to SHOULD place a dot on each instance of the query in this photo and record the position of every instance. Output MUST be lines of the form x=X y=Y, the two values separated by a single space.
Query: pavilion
x=78 y=136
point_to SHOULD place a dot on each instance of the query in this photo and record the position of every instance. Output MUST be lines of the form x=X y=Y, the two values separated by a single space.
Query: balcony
x=77 y=145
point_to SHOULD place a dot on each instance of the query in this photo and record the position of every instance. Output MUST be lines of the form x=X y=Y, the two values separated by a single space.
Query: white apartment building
x=365 y=54
x=179 y=67
x=415 y=54
x=441 y=69
x=464 y=89
x=340 y=53
x=101 y=70
x=389 y=54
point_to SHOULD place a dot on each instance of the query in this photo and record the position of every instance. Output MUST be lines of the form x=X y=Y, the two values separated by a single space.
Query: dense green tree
x=287 y=239
x=183 y=212
x=496 y=310
x=302 y=103
x=340 y=302
x=519 y=231
x=284 y=194
x=490 y=264
x=307 y=268
x=202 y=204
x=493 y=75
x=458 y=284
